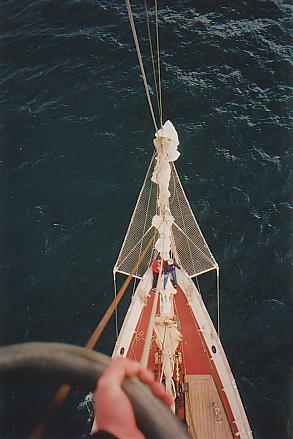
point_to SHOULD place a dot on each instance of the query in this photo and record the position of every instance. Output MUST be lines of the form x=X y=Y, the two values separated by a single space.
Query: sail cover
x=187 y=241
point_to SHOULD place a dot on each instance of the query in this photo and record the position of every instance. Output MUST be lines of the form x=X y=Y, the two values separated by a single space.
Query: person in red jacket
x=156 y=265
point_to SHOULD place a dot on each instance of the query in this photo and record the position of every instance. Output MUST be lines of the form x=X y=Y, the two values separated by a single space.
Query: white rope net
x=140 y=229
x=190 y=246
x=188 y=243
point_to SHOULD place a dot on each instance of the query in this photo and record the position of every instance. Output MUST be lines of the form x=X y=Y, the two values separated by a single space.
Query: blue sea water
x=76 y=140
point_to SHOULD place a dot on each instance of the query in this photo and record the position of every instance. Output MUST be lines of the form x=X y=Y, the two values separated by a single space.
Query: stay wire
x=159 y=63
x=139 y=56
x=218 y=299
x=116 y=309
x=152 y=53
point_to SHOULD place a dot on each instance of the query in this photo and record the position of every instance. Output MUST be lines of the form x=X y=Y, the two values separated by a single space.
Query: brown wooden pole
x=148 y=339
x=64 y=390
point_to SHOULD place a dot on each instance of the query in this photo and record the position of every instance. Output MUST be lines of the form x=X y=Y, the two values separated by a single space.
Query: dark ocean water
x=76 y=141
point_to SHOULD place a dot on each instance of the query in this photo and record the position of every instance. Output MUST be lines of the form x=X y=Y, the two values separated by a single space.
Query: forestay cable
x=131 y=19
x=159 y=64
x=152 y=54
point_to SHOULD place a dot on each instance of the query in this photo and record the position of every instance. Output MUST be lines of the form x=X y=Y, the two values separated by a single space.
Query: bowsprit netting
x=140 y=229
x=188 y=243
x=190 y=246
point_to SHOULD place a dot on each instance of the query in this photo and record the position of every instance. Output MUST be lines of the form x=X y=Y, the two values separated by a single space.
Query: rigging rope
x=218 y=299
x=152 y=53
x=139 y=56
x=116 y=309
x=197 y=284
x=159 y=65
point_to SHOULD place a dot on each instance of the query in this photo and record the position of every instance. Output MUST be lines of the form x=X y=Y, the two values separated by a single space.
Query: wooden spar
x=64 y=390
x=147 y=345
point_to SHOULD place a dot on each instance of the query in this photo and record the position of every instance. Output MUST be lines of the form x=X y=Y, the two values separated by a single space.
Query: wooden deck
x=205 y=414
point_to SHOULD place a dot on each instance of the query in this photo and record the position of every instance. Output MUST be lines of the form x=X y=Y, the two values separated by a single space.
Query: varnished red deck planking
x=194 y=356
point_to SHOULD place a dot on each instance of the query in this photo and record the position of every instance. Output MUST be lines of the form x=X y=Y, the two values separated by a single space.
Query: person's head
x=170 y=261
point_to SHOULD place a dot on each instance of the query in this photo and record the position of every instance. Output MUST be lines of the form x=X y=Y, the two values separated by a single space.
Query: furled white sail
x=167 y=338
x=166 y=143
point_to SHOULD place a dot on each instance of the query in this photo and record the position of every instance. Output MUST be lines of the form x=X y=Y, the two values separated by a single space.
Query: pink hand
x=113 y=410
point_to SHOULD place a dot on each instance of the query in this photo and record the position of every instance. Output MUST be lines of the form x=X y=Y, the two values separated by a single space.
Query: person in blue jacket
x=170 y=269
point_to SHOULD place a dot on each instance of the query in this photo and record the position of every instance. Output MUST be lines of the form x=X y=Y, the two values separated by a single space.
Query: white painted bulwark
x=133 y=314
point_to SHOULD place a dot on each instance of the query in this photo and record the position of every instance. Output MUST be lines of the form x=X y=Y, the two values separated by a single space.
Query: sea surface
x=76 y=138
